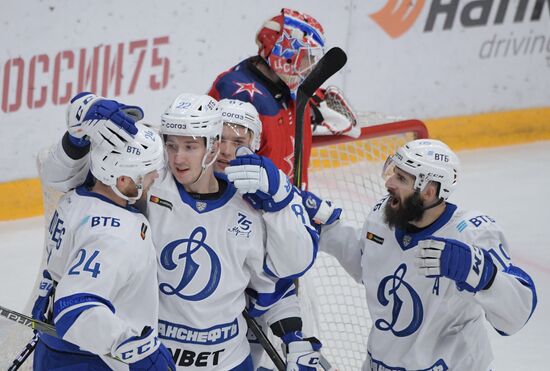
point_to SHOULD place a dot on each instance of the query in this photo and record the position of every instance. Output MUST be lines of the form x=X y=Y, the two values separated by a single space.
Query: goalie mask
x=194 y=115
x=243 y=114
x=138 y=157
x=291 y=43
x=427 y=160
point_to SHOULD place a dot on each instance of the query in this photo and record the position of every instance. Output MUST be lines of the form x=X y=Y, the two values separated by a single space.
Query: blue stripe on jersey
x=408 y=240
x=63 y=323
x=83 y=191
x=204 y=206
x=525 y=280
x=283 y=289
x=191 y=335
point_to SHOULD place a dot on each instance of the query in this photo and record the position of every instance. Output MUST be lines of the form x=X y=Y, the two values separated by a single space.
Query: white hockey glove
x=320 y=212
x=302 y=354
x=260 y=182
x=470 y=266
x=333 y=114
x=94 y=118
x=145 y=352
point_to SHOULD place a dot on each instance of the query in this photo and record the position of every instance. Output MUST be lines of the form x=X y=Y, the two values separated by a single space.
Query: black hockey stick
x=327 y=66
x=25 y=353
x=264 y=341
x=34 y=324
x=270 y=349
x=27 y=321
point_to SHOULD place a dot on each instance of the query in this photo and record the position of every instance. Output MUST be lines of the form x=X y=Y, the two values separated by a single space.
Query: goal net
x=343 y=169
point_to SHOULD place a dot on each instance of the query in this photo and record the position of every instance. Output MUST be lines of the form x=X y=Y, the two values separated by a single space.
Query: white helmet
x=193 y=115
x=428 y=160
x=138 y=157
x=243 y=114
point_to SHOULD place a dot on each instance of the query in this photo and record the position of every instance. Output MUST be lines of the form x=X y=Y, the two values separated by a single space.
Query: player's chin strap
x=436 y=203
x=131 y=200
x=205 y=166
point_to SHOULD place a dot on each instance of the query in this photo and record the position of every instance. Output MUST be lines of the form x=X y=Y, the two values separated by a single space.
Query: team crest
x=200 y=206
x=407 y=240
x=249 y=88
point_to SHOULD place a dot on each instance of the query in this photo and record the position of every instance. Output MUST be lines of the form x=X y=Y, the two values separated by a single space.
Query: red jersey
x=277 y=112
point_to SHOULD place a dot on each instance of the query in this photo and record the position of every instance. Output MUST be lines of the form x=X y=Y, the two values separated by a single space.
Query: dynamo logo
x=200 y=267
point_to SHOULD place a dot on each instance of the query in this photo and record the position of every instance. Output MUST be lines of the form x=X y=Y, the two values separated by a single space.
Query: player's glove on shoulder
x=145 y=352
x=262 y=184
x=470 y=266
x=302 y=354
x=94 y=118
x=320 y=212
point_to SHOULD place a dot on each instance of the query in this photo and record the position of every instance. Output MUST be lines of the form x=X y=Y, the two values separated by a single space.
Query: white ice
x=509 y=183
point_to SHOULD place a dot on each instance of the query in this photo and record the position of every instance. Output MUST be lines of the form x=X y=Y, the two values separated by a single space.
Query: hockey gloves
x=145 y=352
x=43 y=306
x=320 y=212
x=260 y=182
x=470 y=266
x=332 y=114
x=94 y=118
x=301 y=354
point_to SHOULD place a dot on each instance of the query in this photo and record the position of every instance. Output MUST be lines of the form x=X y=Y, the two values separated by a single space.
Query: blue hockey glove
x=264 y=185
x=145 y=352
x=43 y=306
x=302 y=354
x=94 y=118
x=320 y=212
x=470 y=266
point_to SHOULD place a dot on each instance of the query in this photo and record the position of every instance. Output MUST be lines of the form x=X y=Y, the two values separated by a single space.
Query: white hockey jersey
x=422 y=323
x=280 y=245
x=102 y=257
x=210 y=252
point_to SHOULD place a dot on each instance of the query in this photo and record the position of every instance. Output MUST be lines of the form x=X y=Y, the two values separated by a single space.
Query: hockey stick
x=327 y=66
x=264 y=341
x=272 y=352
x=27 y=321
x=35 y=324
x=25 y=353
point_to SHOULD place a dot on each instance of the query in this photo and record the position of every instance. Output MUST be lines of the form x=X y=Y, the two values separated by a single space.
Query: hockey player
x=242 y=128
x=100 y=288
x=289 y=44
x=223 y=247
x=432 y=271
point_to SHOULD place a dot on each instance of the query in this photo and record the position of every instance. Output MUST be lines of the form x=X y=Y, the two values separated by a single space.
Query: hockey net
x=343 y=169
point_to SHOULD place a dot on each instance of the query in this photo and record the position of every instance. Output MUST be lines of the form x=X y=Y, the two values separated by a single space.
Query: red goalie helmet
x=291 y=43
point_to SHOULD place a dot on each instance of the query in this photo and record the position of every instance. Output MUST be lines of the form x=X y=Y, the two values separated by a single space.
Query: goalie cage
x=345 y=170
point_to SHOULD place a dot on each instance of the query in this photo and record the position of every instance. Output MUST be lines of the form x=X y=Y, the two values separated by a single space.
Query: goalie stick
x=270 y=349
x=327 y=66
